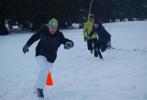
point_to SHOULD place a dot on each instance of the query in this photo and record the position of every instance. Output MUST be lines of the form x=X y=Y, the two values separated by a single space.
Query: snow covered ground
x=77 y=75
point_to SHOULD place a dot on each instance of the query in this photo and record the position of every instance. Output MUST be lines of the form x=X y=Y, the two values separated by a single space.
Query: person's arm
x=92 y=32
x=33 y=39
x=85 y=32
x=66 y=42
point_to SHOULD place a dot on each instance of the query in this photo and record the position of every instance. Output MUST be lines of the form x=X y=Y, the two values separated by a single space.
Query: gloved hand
x=25 y=49
x=85 y=39
x=68 y=45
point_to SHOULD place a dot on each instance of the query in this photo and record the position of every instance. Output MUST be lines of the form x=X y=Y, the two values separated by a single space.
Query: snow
x=77 y=74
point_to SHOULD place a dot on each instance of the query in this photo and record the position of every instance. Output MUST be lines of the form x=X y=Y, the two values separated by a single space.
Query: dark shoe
x=40 y=93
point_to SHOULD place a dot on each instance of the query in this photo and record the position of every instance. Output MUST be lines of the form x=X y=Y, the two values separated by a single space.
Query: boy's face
x=53 y=26
x=52 y=30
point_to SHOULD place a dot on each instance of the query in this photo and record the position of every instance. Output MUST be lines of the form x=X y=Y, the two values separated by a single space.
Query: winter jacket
x=87 y=30
x=48 y=44
x=103 y=35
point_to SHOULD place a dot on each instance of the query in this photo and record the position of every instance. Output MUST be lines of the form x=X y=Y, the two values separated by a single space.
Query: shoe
x=40 y=93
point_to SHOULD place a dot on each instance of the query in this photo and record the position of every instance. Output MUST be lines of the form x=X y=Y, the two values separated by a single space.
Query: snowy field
x=77 y=75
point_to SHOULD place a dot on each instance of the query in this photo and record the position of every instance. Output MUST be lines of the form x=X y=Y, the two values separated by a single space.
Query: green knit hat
x=53 y=23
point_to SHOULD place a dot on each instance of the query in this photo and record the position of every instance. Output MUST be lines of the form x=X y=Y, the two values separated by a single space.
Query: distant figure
x=91 y=40
x=3 y=29
x=104 y=38
x=50 y=38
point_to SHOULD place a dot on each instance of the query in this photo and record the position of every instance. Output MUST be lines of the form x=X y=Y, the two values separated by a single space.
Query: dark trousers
x=99 y=45
x=91 y=44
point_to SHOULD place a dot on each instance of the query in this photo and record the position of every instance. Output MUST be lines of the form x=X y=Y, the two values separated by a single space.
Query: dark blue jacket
x=48 y=44
x=103 y=35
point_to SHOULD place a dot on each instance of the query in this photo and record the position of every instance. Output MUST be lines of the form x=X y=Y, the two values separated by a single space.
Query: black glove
x=85 y=39
x=25 y=49
x=68 y=45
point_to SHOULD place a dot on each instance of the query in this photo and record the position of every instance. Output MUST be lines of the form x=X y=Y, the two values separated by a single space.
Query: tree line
x=69 y=11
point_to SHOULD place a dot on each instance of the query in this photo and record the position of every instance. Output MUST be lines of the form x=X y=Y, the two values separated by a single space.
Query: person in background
x=50 y=38
x=104 y=38
x=91 y=40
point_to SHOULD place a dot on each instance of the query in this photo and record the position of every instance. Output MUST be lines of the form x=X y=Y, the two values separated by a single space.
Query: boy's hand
x=68 y=45
x=25 y=49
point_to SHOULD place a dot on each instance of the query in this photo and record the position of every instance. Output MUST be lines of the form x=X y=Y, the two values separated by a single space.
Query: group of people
x=98 y=39
x=50 y=38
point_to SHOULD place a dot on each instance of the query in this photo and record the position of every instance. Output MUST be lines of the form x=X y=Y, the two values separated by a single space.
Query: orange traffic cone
x=49 y=81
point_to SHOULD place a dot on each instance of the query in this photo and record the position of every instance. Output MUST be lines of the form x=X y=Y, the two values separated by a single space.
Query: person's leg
x=96 y=52
x=99 y=53
x=98 y=49
x=89 y=45
x=95 y=47
x=45 y=67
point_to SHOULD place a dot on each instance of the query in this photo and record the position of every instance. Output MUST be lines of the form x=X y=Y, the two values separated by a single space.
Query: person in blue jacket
x=104 y=38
